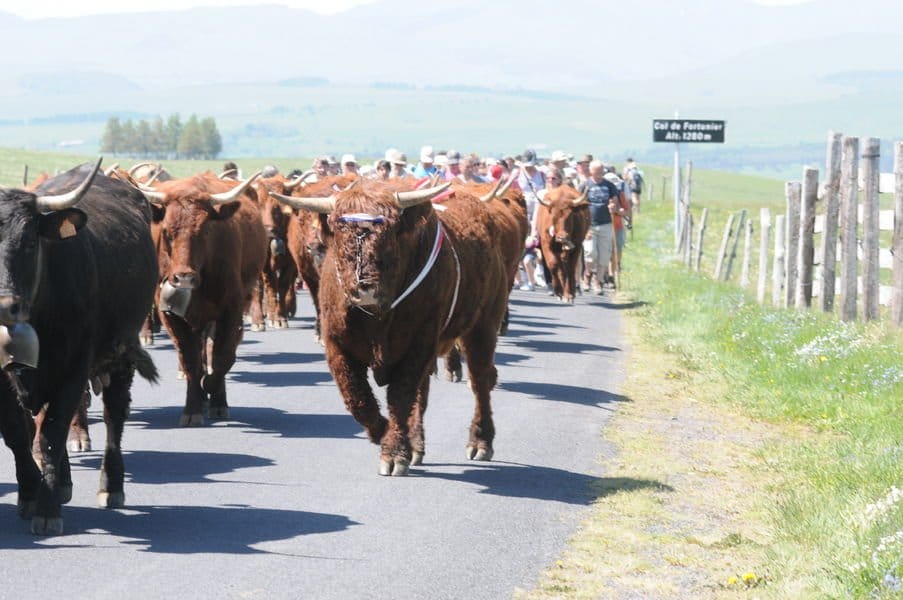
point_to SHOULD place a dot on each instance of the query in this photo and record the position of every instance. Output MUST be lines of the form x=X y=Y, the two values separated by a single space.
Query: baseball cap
x=454 y=157
x=399 y=158
x=426 y=154
x=559 y=155
x=528 y=159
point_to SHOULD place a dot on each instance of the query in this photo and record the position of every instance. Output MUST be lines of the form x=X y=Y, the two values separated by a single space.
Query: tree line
x=169 y=138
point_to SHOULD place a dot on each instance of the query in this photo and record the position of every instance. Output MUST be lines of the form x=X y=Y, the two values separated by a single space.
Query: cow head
x=186 y=212
x=379 y=239
x=563 y=204
x=28 y=222
x=274 y=215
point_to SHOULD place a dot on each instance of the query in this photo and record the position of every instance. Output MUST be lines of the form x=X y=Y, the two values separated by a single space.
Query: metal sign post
x=684 y=130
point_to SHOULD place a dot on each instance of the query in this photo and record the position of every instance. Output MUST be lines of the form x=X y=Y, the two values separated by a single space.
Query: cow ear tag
x=67 y=229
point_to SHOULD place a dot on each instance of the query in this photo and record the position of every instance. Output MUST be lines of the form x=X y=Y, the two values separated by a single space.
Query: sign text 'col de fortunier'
x=687 y=130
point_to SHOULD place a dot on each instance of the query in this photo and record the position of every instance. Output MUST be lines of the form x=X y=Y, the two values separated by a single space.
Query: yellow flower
x=749 y=577
x=559 y=564
x=823 y=358
x=732 y=580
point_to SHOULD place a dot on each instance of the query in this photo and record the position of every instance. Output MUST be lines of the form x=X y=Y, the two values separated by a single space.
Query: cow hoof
x=26 y=508
x=65 y=493
x=416 y=459
x=47 y=526
x=147 y=340
x=397 y=468
x=474 y=453
x=282 y=324
x=110 y=499
x=74 y=446
x=187 y=420
x=258 y=327
x=219 y=412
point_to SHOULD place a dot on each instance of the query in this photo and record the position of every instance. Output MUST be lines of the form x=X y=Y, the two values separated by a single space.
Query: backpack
x=636 y=181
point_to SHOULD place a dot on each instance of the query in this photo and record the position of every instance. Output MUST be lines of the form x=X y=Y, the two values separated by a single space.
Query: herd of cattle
x=400 y=272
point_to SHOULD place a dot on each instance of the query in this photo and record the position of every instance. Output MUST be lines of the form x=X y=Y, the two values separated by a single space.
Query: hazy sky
x=41 y=9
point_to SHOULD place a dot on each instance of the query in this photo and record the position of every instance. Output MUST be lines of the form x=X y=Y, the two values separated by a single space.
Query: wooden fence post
x=793 y=195
x=747 y=248
x=765 y=230
x=733 y=253
x=687 y=258
x=849 y=198
x=896 y=311
x=25 y=177
x=780 y=241
x=699 y=239
x=723 y=250
x=806 y=255
x=871 y=151
x=832 y=212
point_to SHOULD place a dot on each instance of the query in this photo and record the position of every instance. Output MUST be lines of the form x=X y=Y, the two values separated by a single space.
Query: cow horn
x=289 y=185
x=351 y=185
x=409 y=199
x=227 y=173
x=153 y=196
x=155 y=175
x=138 y=166
x=318 y=205
x=582 y=197
x=493 y=193
x=68 y=200
x=508 y=183
x=111 y=169
x=233 y=194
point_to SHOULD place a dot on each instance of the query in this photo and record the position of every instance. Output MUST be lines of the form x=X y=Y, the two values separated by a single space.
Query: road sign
x=687 y=130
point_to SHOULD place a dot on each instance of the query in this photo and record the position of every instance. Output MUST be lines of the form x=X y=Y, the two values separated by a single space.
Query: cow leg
x=189 y=347
x=351 y=379
x=116 y=400
x=453 y=370
x=503 y=330
x=270 y=282
x=290 y=297
x=479 y=347
x=79 y=439
x=56 y=486
x=401 y=396
x=415 y=422
x=255 y=310
x=227 y=338
x=16 y=432
x=313 y=287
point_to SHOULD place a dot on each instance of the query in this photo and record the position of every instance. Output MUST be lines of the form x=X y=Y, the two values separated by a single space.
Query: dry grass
x=702 y=525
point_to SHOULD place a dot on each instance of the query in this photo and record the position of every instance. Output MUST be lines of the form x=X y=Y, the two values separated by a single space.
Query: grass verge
x=777 y=436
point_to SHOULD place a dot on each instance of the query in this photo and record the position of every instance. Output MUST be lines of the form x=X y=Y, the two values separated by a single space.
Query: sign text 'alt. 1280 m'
x=687 y=130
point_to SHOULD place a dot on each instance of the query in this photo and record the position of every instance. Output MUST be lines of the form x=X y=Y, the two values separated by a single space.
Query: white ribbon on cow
x=434 y=254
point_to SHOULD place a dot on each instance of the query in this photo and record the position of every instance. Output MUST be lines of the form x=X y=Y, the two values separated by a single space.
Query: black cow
x=75 y=286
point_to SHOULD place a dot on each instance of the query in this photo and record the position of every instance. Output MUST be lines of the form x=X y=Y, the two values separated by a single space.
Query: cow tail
x=144 y=364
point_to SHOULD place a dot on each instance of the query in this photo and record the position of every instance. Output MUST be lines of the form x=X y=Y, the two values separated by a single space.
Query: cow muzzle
x=12 y=310
x=174 y=300
x=364 y=297
x=19 y=346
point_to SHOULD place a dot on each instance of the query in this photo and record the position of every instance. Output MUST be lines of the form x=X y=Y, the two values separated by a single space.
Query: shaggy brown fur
x=365 y=270
x=562 y=227
x=224 y=248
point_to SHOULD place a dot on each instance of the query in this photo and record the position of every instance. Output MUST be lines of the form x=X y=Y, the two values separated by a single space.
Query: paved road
x=284 y=500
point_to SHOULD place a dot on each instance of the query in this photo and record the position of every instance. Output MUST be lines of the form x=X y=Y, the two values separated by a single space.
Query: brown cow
x=212 y=249
x=306 y=237
x=280 y=269
x=562 y=223
x=400 y=283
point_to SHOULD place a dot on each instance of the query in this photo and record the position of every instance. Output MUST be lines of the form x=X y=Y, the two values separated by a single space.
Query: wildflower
x=559 y=564
x=749 y=578
x=892 y=581
x=732 y=580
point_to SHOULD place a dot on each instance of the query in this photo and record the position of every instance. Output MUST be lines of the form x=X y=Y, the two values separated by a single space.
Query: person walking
x=602 y=196
x=634 y=180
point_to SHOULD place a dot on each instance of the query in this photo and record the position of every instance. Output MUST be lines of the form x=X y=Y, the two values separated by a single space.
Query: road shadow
x=561 y=346
x=563 y=393
x=540 y=483
x=281 y=378
x=263 y=420
x=532 y=322
x=8 y=488
x=231 y=529
x=628 y=305
x=155 y=466
x=506 y=358
x=281 y=358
